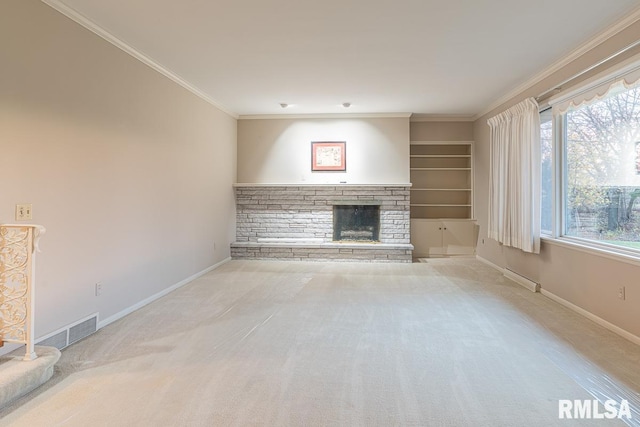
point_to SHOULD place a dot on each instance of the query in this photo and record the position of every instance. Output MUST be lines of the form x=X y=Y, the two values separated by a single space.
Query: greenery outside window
x=600 y=169
x=602 y=186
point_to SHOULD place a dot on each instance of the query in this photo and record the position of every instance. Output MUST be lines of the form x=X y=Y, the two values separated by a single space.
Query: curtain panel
x=514 y=175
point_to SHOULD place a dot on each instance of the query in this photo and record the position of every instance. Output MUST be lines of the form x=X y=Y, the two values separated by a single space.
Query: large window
x=600 y=171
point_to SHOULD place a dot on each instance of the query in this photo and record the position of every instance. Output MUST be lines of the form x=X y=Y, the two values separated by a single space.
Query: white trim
x=325 y=116
x=152 y=298
x=417 y=118
x=106 y=35
x=592 y=250
x=614 y=29
x=512 y=275
x=307 y=184
x=600 y=321
x=490 y=264
x=521 y=280
x=613 y=328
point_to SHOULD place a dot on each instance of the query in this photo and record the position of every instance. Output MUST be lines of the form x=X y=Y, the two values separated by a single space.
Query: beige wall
x=131 y=174
x=441 y=131
x=586 y=280
x=279 y=150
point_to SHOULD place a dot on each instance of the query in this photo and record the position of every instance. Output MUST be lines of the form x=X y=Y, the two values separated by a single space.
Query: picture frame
x=328 y=156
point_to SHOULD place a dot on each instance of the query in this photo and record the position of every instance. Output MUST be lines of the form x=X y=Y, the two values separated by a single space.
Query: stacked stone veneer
x=295 y=222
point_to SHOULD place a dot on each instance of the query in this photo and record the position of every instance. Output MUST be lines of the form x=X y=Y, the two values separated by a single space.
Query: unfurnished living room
x=319 y=213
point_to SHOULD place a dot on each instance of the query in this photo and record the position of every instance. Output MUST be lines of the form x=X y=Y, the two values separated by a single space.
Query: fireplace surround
x=296 y=222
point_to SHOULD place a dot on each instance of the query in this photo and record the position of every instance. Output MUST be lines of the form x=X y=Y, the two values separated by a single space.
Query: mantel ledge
x=306 y=184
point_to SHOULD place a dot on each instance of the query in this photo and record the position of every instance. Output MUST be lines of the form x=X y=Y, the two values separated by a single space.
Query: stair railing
x=18 y=246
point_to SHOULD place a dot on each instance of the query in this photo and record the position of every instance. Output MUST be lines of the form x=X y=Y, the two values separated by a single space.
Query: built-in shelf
x=442 y=179
x=440 y=169
x=440 y=156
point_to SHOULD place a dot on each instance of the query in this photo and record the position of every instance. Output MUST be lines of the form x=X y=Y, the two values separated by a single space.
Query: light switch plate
x=23 y=212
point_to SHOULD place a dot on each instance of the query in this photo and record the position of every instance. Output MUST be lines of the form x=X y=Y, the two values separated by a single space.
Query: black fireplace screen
x=356 y=223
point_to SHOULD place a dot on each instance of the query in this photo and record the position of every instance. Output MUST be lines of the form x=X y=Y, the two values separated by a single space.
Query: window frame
x=559 y=218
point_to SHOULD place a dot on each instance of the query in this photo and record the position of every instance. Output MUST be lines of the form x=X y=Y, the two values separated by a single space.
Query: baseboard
x=511 y=275
x=600 y=321
x=521 y=280
x=152 y=298
x=490 y=264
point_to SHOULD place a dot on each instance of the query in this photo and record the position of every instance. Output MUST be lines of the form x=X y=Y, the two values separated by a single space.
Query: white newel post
x=18 y=246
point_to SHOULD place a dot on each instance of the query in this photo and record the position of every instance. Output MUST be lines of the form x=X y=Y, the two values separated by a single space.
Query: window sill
x=621 y=255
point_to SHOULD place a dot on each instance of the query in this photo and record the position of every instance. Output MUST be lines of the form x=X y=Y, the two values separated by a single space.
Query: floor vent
x=58 y=340
x=72 y=333
x=81 y=330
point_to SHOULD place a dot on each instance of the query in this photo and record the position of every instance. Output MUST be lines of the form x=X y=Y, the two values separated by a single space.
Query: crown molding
x=614 y=29
x=98 y=30
x=442 y=118
x=325 y=116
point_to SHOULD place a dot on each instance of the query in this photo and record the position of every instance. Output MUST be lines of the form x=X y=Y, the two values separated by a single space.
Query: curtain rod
x=557 y=88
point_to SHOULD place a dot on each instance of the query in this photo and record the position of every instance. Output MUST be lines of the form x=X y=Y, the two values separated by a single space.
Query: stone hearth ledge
x=311 y=184
x=287 y=243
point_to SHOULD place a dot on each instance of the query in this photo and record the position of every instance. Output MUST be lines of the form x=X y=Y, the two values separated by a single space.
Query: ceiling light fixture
x=346 y=104
x=284 y=104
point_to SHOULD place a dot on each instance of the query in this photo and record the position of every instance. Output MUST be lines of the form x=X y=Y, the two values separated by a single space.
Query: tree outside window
x=603 y=185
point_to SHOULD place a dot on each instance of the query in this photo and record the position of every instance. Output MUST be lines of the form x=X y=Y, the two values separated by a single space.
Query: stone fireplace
x=296 y=222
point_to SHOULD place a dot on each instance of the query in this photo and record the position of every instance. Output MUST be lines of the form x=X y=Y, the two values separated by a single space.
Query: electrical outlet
x=621 y=293
x=98 y=289
x=23 y=212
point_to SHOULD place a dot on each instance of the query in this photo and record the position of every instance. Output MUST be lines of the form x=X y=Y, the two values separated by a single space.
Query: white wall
x=279 y=150
x=583 y=279
x=131 y=174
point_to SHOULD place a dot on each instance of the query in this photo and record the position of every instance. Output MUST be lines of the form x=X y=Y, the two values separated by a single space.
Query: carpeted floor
x=447 y=342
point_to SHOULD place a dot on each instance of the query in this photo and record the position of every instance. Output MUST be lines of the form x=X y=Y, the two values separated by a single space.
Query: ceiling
x=453 y=57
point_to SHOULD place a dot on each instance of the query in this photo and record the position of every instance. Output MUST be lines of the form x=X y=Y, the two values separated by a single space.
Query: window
x=600 y=171
x=546 y=173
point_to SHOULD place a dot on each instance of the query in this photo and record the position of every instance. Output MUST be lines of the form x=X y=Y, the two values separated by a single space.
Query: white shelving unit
x=442 y=198
x=442 y=179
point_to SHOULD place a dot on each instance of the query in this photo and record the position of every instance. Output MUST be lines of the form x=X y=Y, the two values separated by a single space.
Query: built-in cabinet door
x=433 y=237
x=458 y=237
x=426 y=237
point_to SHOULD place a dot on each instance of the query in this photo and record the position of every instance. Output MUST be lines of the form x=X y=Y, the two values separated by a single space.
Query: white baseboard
x=581 y=311
x=521 y=280
x=489 y=263
x=513 y=276
x=600 y=321
x=152 y=298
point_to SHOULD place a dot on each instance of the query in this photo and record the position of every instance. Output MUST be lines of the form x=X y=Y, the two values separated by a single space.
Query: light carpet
x=447 y=342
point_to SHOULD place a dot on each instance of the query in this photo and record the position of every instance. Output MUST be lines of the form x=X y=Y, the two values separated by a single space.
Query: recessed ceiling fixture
x=346 y=104
x=284 y=104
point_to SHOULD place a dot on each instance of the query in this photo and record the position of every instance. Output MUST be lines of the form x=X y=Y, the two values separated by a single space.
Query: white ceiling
x=437 y=57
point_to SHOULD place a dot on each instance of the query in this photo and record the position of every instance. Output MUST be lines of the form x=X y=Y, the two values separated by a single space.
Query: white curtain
x=514 y=175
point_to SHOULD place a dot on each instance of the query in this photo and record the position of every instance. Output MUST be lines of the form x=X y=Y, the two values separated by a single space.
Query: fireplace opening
x=356 y=223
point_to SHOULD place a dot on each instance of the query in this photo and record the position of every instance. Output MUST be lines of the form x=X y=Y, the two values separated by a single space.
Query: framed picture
x=328 y=156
